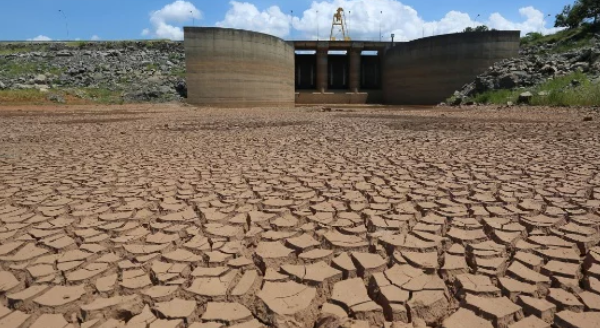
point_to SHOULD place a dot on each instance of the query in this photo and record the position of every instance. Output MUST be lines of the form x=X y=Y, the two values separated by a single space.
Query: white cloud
x=366 y=18
x=246 y=16
x=95 y=37
x=40 y=38
x=163 y=20
x=534 y=22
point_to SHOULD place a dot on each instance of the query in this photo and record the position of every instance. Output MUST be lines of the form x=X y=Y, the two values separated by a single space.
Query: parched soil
x=175 y=216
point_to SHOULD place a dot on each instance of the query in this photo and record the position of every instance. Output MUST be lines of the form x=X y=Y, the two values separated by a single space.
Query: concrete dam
x=238 y=68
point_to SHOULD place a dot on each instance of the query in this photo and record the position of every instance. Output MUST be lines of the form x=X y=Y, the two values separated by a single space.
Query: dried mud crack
x=205 y=218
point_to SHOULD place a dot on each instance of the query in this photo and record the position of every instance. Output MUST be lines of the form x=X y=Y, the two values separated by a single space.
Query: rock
x=2 y=86
x=543 y=93
x=581 y=66
x=525 y=98
x=508 y=81
x=457 y=101
x=535 y=66
x=164 y=89
x=40 y=79
x=575 y=83
x=120 y=69
x=181 y=88
x=483 y=84
x=549 y=69
x=594 y=56
x=56 y=98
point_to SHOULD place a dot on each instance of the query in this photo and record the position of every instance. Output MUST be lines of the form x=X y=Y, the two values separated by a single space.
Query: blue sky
x=133 y=19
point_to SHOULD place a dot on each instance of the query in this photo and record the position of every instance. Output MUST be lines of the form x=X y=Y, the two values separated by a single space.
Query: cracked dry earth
x=168 y=217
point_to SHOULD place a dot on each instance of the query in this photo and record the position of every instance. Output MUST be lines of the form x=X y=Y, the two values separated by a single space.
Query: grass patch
x=76 y=44
x=19 y=50
x=570 y=46
x=560 y=93
x=175 y=57
x=178 y=72
x=496 y=97
x=587 y=94
x=71 y=96
x=154 y=66
x=566 y=34
x=23 y=49
x=10 y=69
x=29 y=96
x=101 y=95
x=565 y=40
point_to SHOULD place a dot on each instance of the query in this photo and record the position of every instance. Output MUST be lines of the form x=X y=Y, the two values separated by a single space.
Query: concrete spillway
x=429 y=70
x=229 y=67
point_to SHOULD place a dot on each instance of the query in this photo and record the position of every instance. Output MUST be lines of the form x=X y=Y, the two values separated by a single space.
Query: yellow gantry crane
x=339 y=19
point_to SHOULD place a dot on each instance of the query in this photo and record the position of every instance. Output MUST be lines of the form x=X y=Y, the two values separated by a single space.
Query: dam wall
x=238 y=68
x=427 y=71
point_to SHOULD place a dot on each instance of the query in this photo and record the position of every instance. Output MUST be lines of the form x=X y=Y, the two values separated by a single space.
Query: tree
x=561 y=19
x=481 y=28
x=580 y=12
x=532 y=36
x=591 y=9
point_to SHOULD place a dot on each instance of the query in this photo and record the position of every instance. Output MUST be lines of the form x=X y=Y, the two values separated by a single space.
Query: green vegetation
x=30 y=96
x=174 y=57
x=565 y=40
x=10 y=69
x=559 y=92
x=481 y=28
x=178 y=72
x=71 y=96
x=582 y=11
x=76 y=44
x=496 y=97
x=18 y=50
x=582 y=20
x=531 y=38
x=154 y=66
x=100 y=95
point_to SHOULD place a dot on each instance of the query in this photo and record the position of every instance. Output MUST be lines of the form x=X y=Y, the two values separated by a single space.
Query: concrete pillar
x=380 y=54
x=354 y=75
x=322 y=73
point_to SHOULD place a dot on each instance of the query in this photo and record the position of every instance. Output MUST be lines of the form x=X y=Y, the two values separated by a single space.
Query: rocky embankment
x=534 y=66
x=138 y=71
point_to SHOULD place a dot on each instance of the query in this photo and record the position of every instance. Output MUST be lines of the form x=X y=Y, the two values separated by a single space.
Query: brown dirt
x=171 y=215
